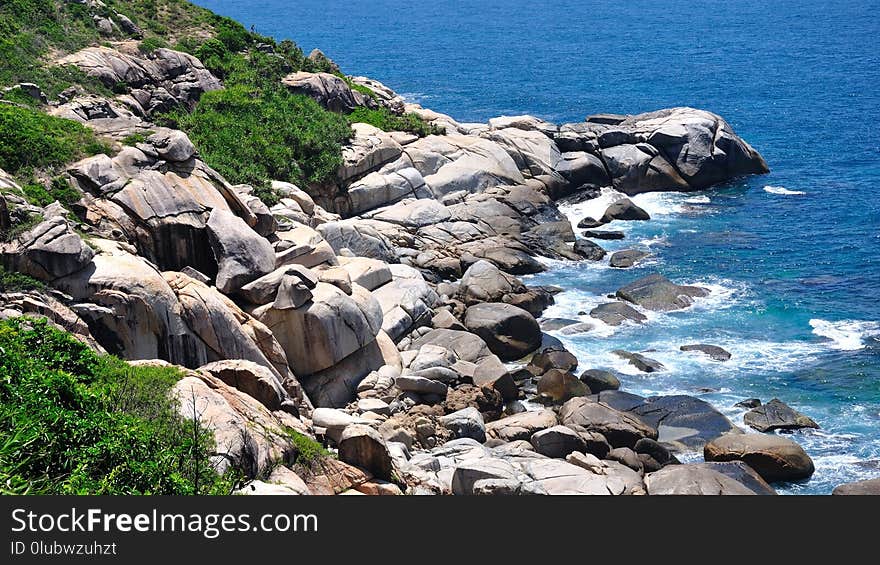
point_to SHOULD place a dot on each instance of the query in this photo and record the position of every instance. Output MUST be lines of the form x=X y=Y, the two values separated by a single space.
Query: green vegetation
x=135 y=138
x=59 y=189
x=385 y=120
x=150 y=44
x=30 y=140
x=250 y=135
x=20 y=227
x=11 y=281
x=307 y=451
x=74 y=422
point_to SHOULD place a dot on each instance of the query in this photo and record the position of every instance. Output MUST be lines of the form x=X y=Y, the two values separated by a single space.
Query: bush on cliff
x=251 y=135
x=75 y=422
x=386 y=120
x=30 y=140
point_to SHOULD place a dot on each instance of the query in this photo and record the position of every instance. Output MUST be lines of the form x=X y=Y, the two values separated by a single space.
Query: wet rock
x=640 y=362
x=589 y=250
x=749 y=403
x=776 y=415
x=713 y=351
x=616 y=313
x=602 y=234
x=624 y=209
x=627 y=258
x=598 y=380
x=552 y=359
x=659 y=294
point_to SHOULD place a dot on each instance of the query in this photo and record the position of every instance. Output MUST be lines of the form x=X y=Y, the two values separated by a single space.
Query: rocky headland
x=383 y=313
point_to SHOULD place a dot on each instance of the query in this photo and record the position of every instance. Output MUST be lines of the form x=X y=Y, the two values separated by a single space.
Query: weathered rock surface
x=510 y=332
x=598 y=380
x=859 y=488
x=330 y=91
x=713 y=351
x=241 y=254
x=776 y=415
x=774 y=458
x=616 y=313
x=627 y=258
x=619 y=428
x=363 y=447
x=48 y=251
x=699 y=479
x=640 y=362
x=659 y=294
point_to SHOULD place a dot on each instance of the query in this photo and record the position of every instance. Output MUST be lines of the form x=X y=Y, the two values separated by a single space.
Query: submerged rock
x=640 y=362
x=776 y=415
x=713 y=351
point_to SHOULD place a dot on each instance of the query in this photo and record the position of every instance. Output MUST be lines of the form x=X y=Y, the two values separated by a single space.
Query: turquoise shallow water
x=795 y=277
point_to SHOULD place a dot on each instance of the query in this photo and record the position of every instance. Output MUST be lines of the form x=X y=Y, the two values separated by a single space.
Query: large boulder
x=521 y=426
x=640 y=362
x=250 y=378
x=624 y=209
x=510 y=332
x=616 y=313
x=242 y=255
x=627 y=258
x=465 y=423
x=774 y=458
x=363 y=447
x=619 y=428
x=484 y=282
x=406 y=302
x=598 y=380
x=657 y=293
x=558 y=386
x=326 y=329
x=48 y=251
x=861 y=488
x=776 y=415
x=703 y=479
x=557 y=441
x=328 y=90
x=683 y=422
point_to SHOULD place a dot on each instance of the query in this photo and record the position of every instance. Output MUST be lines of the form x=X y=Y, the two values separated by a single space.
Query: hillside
x=314 y=284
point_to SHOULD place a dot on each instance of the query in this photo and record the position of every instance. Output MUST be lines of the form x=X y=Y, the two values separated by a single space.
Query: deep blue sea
x=793 y=257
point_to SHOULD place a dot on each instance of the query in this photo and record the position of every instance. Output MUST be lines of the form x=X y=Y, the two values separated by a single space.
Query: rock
x=659 y=294
x=558 y=386
x=484 y=282
x=588 y=223
x=465 y=423
x=749 y=403
x=624 y=209
x=557 y=442
x=554 y=324
x=250 y=378
x=468 y=473
x=328 y=90
x=627 y=258
x=486 y=400
x=407 y=302
x=683 y=422
x=552 y=359
x=363 y=447
x=640 y=362
x=324 y=331
x=619 y=428
x=626 y=456
x=521 y=426
x=776 y=415
x=603 y=234
x=241 y=254
x=369 y=273
x=470 y=348
x=374 y=405
x=247 y=436
x=861 y=488
x=264 y=290
x=742 y=473
x=362 y=239
x=414 y=213
x=656 y=451
x=48 y=251
x=510 y=332
x=420 y=385
x=598 y=380
x=338 y=277
x=774 y=458
x=713 y=351
x=172 y=145
x=693 y=480
x=616 y=313
x=589 y=250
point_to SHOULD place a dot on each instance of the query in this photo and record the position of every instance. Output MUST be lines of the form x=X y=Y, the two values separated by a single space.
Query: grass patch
x=307 y=451
x=30 y=139
x=139 y=137
x=10 y=281
x=386 y=120
x=75 y=422
x=59 y=189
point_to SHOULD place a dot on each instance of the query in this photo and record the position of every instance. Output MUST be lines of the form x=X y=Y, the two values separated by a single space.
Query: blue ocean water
x=793 y=257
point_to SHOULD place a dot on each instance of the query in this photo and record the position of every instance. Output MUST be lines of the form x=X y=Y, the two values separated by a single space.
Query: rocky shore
x=384 y=313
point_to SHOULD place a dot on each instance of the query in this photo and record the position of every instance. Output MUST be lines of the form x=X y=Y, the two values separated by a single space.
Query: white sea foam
x=660 y=203
x=782 y=190
x=699 y=200
x=593 y=208
x=845 y=335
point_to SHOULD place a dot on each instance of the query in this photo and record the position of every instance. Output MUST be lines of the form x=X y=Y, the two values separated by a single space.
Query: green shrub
x=74 y=422
x=150 y=44
x=10 y=281
x=22 y=226
x=386 y=120
x=59 y=189
x=251 y=135
x=133 y=139
x=307 y=451
x=30 y=139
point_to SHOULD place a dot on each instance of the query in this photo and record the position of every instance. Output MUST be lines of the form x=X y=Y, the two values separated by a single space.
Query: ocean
x=792 y=258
